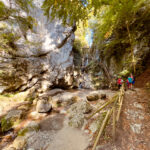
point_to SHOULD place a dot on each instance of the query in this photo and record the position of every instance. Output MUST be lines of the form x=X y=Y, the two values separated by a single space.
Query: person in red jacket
x=119 y=82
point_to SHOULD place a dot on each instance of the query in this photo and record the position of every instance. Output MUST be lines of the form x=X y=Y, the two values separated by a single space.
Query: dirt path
x=68 y=139
x=134 y=133
x=133 y=129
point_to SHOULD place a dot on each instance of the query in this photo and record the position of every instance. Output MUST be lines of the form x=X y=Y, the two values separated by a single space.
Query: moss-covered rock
x=76 y=113
x=8 y=121
x=31 y=126
x=6 y=124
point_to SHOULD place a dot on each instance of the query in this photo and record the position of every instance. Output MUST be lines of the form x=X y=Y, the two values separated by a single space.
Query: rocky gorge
x=56 y=94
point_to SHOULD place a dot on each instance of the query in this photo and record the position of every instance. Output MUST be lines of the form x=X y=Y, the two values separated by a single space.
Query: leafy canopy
x=108 y=13
x=75 y=10
x=117 y=14
x=72 y=10
x=112 y=17
x=117 y=26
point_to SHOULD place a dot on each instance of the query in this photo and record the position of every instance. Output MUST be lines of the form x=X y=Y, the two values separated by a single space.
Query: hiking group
x=130 y=81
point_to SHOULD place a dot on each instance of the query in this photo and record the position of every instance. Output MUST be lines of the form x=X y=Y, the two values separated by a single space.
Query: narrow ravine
x=74 y=75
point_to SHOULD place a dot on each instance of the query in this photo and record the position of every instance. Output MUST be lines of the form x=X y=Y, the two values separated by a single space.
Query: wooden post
x=102 y=128
x=114 y=123
x=121 y=102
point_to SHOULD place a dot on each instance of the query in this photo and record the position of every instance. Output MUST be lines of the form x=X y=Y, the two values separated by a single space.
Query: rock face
x=86 y=81
x=43 y=55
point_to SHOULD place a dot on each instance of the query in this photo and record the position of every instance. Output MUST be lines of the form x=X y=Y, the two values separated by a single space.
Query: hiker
x=130 y=81
x=119 y=82
x=80 y=85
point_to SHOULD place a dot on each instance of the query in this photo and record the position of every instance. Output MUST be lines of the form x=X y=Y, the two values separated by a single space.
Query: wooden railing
x=113 y=111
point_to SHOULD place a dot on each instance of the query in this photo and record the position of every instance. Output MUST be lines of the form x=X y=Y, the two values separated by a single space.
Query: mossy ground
x=7 y=102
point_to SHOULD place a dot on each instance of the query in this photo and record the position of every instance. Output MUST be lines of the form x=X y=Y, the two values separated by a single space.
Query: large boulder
x=93 y=97
x=42 y=57
x=65 y=99
x=77 y=113
x=43 y=106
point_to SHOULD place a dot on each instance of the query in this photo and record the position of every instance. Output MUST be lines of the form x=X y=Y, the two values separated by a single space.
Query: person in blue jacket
x=130 y=81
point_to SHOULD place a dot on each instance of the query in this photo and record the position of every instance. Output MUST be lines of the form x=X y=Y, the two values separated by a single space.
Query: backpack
x=130 y=79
